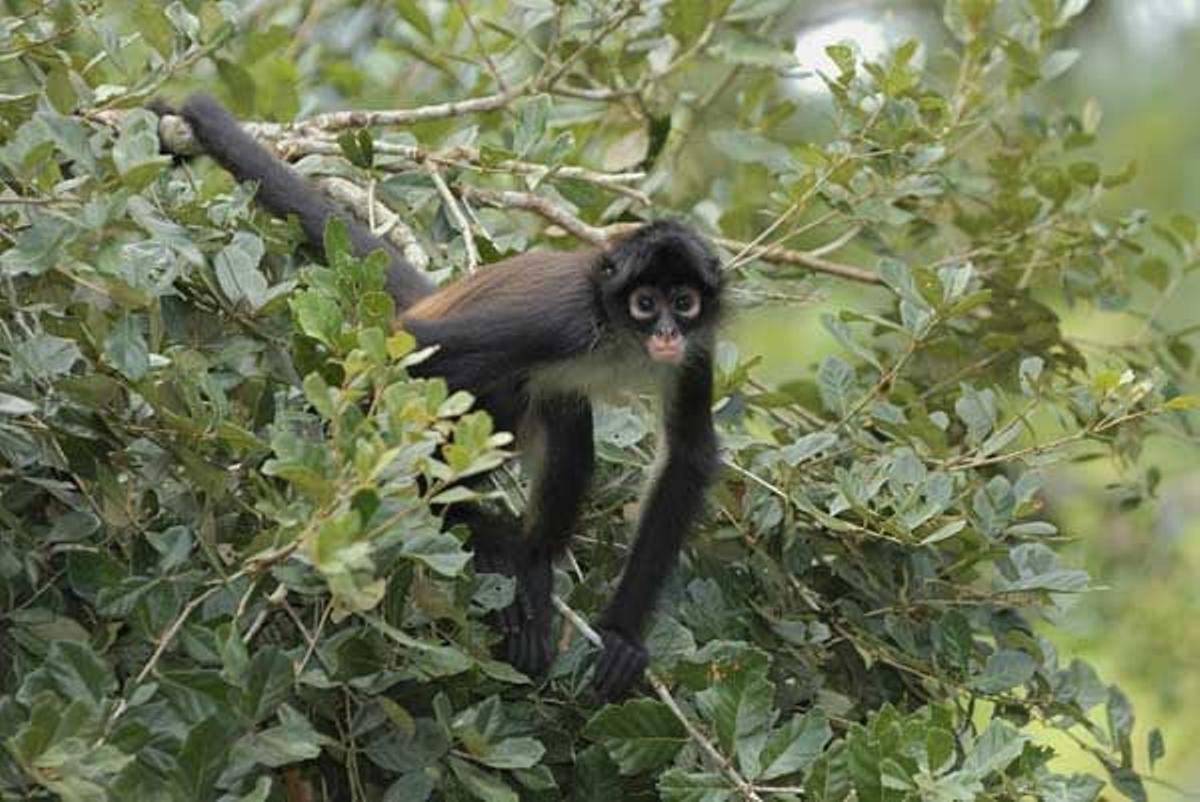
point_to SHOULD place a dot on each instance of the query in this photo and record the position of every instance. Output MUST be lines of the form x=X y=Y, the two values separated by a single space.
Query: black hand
x=528 y=648
x=621 y=664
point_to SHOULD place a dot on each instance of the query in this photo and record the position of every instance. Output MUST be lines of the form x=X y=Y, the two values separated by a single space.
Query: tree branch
x=178 y=137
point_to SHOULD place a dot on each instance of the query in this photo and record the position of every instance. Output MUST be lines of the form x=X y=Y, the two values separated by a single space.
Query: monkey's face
x=664 y=316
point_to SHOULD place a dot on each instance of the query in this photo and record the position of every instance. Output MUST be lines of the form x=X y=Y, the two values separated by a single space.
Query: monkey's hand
x=620 y=665
x=528 y=644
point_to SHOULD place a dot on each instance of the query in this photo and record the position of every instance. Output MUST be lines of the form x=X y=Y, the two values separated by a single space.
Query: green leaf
x=794 y=746
x=808 y=446
x=267 y=683
x=293 y=740
x=39 y=247
x=1058 y=63
x=237 y=270
x=358 y=147
x=995 y=748
x=739 y=707
x=441 y=552
x=1183 y=402
x=835 y=379
x=1005 y=669
x=240 y=85
x=203 y=756
x=677 y=785
x=738 y=47
x=639 y=735
x=154 y=26
x=45 y=356
x=12 y=405
x=136 y=152
x=513 y=753
x=1127 y=782
x=1036 y=567
x=126 y=349
x=318 y=317
x=481 y=784
x=750 y=148
x=1156 y=747
x=597 y=778
x=413 y=14
x=416 y=786
x=532 y=116
x=73 y=671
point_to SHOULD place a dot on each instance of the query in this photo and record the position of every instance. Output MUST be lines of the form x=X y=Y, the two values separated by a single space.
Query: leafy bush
x=220 y=577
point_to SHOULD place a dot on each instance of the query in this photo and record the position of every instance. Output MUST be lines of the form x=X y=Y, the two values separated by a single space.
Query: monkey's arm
x=670 y=509
x=285 y=192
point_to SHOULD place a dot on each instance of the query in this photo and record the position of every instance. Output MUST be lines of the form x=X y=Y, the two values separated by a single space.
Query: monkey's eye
x=643 y=304
x=686 y=303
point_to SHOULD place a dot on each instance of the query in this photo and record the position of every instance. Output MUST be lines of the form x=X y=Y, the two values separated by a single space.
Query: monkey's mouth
x=665 y=349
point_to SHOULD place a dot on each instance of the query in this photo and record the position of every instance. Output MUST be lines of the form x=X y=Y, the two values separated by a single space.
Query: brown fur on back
x=535 y=279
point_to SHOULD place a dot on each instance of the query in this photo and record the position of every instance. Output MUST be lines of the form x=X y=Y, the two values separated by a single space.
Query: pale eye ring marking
x=686 y=303
x=643 y=303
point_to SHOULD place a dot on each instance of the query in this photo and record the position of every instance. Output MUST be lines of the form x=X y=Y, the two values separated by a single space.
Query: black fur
x=285 y=192
x=497 y=331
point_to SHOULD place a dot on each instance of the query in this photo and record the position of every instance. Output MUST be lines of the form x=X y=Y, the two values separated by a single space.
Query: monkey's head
x=663 y=283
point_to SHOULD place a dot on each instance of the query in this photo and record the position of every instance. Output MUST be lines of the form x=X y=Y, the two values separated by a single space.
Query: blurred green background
x=1137 y=61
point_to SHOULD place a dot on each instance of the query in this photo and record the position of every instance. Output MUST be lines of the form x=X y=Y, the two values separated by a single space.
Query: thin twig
x=456 y=214
x=616 y=21
x=483 y=51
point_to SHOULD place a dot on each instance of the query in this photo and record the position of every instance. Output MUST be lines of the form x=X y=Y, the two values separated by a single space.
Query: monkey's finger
x=533 y=654
x=610 y=671
x=621 y=664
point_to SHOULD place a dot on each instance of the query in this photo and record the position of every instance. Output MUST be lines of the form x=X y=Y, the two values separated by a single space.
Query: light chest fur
x=604 y=374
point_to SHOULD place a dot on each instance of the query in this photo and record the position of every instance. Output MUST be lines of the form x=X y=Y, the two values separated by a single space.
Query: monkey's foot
x=619 y=666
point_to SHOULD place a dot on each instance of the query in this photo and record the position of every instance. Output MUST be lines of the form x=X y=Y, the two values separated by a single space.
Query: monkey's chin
x=667 y=354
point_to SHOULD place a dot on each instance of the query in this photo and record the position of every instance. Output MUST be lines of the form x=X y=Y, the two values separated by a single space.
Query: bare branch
x=544 y=207
x=529 y=202
x=470 y=159
x=456 y=214
x=341 y=120
x=787 y=256
x=392 y=227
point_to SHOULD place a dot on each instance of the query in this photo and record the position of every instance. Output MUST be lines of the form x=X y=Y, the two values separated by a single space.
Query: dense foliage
x=219 y=577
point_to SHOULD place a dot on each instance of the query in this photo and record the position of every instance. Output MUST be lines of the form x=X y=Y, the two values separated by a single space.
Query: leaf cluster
x=222 y=577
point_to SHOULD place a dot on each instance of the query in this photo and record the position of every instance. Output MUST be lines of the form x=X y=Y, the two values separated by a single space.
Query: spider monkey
x=534 y=338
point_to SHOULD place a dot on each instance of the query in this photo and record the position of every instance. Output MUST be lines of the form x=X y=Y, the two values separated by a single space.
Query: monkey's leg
x=563 y=456
x=674 y=502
